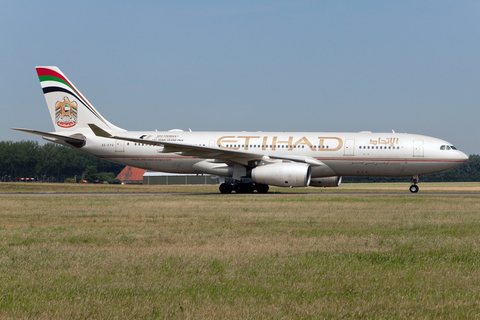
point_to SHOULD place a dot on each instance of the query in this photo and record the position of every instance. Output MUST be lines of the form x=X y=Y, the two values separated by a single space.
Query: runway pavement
x=370 y=194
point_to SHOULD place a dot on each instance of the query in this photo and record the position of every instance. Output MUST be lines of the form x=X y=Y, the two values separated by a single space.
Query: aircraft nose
x=462 y=156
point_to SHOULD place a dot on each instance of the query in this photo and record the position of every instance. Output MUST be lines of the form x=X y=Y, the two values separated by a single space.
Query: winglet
x=99 y=132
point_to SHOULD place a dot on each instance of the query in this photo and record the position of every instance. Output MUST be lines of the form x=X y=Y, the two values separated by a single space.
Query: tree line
x=55 y=163
x=50 y=162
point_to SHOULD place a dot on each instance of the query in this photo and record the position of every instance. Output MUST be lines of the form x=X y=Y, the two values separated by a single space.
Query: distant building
x=131 y=175
x=153 y=177
x=139 y=176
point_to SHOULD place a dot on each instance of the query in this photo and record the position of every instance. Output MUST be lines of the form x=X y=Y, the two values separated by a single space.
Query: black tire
x=238 y=188
x=225 y=188
x=262 y=188
x=249 y=188
x=244 y=188
x=414 y=188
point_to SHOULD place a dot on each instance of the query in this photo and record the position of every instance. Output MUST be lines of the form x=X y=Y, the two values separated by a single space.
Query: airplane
x=283 y=159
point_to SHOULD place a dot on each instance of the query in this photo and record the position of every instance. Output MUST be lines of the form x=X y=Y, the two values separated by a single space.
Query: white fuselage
x=345 y=154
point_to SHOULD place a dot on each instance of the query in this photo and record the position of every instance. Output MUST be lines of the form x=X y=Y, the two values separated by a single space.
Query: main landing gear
x=243 y=188
x=414 y=188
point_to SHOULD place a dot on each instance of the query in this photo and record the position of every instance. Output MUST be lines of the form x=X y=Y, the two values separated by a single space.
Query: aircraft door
x=119 y=146
x=418 y=148
x=349 y=147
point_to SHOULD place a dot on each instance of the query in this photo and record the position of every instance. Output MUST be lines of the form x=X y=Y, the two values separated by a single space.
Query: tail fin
x=69 y=109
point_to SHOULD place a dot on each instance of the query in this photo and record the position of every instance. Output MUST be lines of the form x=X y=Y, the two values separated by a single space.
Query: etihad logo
x=388 y=141
x=66 y=113
x=273 y=143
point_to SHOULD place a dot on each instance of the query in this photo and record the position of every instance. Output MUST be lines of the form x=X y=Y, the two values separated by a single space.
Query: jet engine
x=334 y=181
x=283 y=174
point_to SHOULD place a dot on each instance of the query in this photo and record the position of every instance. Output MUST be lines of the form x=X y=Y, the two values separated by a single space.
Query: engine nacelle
x=284 y=174
x=334 y=181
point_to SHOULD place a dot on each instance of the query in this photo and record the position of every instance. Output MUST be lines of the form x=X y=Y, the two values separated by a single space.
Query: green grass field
x=304 y=256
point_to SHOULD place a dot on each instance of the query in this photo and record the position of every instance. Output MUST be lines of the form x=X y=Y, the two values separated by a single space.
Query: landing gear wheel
x=413 y=188
x=244 y=188
x=226 y=188
x=262 y=188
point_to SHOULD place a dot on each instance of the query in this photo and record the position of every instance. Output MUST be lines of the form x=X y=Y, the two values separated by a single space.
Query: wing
x=235 y=156
x=187 y=149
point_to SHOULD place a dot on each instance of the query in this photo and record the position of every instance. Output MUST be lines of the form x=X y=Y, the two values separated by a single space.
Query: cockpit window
x=445 y=147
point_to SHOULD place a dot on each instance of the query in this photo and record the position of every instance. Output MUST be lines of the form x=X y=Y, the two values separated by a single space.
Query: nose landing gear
x=414 y=188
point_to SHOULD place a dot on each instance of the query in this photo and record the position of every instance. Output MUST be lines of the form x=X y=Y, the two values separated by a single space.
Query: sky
x=344 y=66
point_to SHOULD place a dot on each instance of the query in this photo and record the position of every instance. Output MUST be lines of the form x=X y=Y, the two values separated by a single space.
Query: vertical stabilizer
x=69 y=109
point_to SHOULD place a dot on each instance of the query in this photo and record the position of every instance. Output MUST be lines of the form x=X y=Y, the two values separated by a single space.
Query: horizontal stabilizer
x=70 y=139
